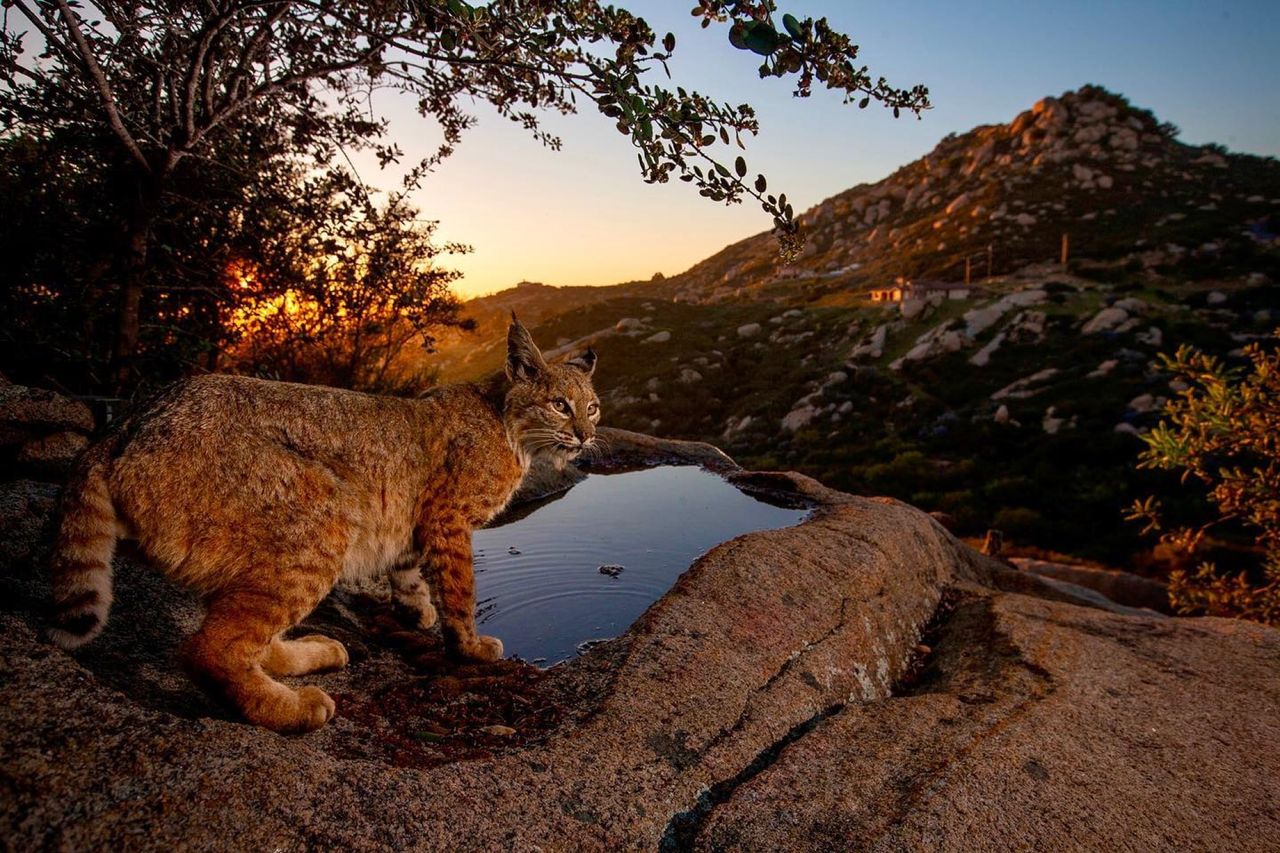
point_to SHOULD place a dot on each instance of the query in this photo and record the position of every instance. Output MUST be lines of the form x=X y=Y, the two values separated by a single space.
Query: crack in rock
x=684 y=827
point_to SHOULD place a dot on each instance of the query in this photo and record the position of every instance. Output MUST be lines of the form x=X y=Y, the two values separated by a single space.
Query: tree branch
x=99 y=80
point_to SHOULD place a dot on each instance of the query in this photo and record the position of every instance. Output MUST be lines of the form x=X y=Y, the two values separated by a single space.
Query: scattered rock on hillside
x=983 y=356
x=799 y=417
x=1025 y=387
x=1105 y=320
x=873 y=346
x=1103 y=369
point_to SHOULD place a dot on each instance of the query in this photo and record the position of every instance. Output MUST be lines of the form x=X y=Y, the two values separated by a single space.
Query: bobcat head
x=549 y=408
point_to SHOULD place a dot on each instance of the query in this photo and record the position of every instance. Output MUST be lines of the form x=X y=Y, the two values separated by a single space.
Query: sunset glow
x=583 y=216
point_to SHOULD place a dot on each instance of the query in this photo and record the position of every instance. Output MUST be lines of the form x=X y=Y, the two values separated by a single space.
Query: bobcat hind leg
x=236 y=646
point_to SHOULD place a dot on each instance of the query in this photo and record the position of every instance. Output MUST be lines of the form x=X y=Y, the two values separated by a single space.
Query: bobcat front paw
x=484 y=649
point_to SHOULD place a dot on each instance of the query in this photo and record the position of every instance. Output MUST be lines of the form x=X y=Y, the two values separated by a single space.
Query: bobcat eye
x=561 y=406
x=593 y=407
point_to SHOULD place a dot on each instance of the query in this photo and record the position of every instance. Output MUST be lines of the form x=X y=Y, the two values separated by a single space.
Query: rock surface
x=861 y=679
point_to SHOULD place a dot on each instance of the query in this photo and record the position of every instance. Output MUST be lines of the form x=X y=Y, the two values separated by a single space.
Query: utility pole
x=1066 y=249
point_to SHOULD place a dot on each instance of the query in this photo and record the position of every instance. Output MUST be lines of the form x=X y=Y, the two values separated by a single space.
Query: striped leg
x=446 y=545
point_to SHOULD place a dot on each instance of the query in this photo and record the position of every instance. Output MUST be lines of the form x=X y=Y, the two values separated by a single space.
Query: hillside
x=1086 y=164
x=1015 y=407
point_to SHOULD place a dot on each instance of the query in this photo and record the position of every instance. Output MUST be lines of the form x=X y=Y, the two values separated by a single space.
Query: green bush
x=1223 y=431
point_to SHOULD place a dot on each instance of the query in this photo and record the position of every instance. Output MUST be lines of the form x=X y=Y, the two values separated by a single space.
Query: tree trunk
x=129 y=317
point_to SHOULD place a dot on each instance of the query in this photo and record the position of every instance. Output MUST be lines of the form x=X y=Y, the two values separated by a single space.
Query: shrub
x=1223 y=431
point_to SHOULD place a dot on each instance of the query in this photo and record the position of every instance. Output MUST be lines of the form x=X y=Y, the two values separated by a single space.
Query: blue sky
x=583 y=216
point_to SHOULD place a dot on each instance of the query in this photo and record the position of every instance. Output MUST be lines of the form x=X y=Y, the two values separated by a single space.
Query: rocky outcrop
x=862 y=678
x=41 y=431
x=1123 y=588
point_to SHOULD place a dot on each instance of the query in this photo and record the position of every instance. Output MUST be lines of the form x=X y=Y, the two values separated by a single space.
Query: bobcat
x=260 y=495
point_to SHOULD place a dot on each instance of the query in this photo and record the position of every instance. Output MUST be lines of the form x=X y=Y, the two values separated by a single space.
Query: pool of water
x=539 y=584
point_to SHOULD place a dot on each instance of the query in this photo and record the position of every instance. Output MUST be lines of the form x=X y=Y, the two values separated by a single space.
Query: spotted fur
x=261 y=495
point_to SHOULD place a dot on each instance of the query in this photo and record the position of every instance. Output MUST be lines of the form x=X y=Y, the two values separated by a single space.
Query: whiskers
x=596 y=448
x=538 y=439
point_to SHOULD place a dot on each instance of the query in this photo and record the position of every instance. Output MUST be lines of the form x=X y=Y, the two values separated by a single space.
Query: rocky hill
x=1087 y=164
x=1014 y=407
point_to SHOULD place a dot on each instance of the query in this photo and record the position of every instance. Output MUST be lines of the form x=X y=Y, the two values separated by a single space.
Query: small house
x=887 y=294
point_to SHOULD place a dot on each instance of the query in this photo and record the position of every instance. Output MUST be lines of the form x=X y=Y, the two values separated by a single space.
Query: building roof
x=938 y=285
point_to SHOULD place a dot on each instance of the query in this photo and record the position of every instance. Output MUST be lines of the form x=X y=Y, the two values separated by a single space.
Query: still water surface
x=539 y=587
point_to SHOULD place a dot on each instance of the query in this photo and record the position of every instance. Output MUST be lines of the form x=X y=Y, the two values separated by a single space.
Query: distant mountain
x=1016 y=407
x=1087 y=164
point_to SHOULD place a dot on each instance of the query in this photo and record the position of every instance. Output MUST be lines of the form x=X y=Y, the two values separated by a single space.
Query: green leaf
x=738 y=36
x=722 y=169
x=762 y=39
x=761 y=183
x=740 y=165
x=669 y=42
x=793 y=26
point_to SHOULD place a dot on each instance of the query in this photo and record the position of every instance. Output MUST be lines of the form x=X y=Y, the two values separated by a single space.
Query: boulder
x=1028 y=386
x=1143 y=403
x=978 y=320
x=873 y=346
x=982 y=357
x=988 y=751
x=799 y=418
x=1123 y=588
x=658 y=338
x=1103 y=369
x=1105 y=320
x=51 y=455
x=748 y=330
x=40 y=411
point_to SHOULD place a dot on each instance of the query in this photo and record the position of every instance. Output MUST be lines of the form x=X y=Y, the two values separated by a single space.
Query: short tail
x=81 y=561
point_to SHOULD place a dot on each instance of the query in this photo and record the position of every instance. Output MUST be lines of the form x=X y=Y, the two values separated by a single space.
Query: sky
x=584 y=216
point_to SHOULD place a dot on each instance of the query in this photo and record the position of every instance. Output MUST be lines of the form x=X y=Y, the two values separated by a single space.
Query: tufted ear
x=585 y=362
x=524 y=360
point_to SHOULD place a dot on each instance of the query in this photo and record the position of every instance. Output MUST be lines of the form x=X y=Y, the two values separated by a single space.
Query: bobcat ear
x=585 y=362
x=524 y=360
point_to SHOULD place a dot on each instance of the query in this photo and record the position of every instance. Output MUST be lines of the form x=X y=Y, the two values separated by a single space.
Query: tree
x=1223 y=431
x=171 y=85
x=340 y=290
